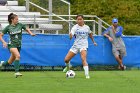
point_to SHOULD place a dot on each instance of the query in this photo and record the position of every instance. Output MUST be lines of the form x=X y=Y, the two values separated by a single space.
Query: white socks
x=68 y=65
x=86 y=69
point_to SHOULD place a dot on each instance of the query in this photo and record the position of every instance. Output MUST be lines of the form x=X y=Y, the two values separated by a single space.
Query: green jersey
x=15 y=33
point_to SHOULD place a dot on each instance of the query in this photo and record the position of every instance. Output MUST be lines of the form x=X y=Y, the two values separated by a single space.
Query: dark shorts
x=14 y=46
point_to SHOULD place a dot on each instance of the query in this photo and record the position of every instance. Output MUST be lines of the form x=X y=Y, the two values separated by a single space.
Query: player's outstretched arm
x=29 y=31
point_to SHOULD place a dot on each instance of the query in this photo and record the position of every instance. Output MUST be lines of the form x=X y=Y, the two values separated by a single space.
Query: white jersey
x=81 y=33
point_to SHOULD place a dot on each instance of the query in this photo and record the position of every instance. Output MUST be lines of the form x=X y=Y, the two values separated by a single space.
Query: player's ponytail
x=10 y=17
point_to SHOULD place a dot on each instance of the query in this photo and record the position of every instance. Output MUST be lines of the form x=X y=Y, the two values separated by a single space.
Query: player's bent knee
x=17 y=57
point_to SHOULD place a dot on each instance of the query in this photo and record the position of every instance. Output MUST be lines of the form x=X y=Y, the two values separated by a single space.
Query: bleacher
x=29 y=18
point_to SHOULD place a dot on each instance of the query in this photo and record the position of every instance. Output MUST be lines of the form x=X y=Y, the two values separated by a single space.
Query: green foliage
x=127 y=11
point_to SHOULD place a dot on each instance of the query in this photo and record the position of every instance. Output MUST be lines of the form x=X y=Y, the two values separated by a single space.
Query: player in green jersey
x=14 y=29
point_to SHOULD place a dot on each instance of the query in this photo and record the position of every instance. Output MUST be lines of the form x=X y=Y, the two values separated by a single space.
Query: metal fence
x=58 y=11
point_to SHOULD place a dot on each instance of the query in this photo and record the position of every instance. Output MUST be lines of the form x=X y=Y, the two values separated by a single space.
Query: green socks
x=16 y=65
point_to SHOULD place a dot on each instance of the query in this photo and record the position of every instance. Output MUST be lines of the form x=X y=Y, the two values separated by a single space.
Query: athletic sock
x=86 y=69
x=16 y=65
x=68 y=65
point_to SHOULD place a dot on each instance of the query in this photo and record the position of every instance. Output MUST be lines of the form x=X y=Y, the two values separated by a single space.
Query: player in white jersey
x=81 y=33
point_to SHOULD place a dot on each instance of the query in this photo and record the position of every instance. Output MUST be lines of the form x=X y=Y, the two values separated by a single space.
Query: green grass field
x=55 y=82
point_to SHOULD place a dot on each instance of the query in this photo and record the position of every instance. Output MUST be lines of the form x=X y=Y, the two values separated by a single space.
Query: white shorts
x=76 y=50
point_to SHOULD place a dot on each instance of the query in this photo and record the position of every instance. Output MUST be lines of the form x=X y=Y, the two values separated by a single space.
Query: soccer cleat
x=1 y=63
x=17 y=74
x=65 y=69
x=124 y=67
x=87 y=77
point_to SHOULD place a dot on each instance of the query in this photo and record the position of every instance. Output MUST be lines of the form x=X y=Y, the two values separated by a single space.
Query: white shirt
x=81 y=33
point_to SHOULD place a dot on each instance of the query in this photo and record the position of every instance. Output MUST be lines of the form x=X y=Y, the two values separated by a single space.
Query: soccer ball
x=70 y=74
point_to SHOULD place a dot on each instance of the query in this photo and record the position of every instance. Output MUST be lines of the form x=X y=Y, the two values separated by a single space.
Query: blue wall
x=50 y=50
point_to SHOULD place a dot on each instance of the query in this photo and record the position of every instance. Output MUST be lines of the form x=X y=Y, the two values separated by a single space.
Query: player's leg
x=10 y=61
x=16 y=53
x=67 y=59
x=83 y=53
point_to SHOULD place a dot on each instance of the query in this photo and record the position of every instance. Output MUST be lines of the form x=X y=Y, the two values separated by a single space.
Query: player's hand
x=4 y=44
x=110 y=39
x=33 y=34
x=95 y=44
